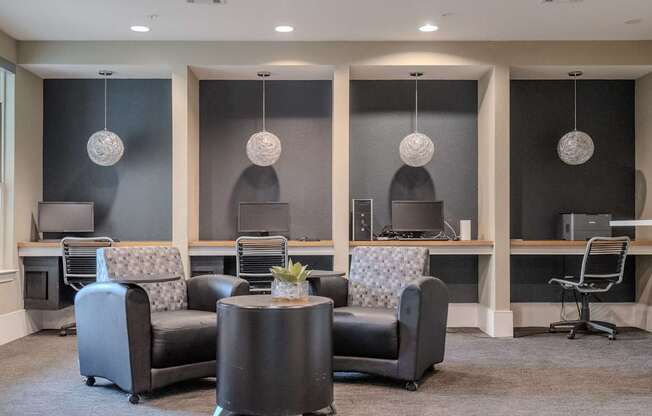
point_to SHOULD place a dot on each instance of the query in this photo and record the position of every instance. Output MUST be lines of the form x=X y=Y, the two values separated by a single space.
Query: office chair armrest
x=204 y=291
x=422 y=316
x=333 y=287
x=114 y=334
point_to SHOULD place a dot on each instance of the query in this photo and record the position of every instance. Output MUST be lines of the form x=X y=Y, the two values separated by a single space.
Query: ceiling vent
x=206 y=1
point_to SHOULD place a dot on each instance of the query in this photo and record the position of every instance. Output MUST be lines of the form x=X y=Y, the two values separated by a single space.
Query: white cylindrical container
x=465 y=229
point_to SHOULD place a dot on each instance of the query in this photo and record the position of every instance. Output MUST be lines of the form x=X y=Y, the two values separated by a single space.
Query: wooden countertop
x=231 y=243
x=566 y=243
x=423 y=243
x=57 y=244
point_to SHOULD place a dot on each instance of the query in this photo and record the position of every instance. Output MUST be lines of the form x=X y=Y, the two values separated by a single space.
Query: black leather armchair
x=389 y=319
x=142 y=337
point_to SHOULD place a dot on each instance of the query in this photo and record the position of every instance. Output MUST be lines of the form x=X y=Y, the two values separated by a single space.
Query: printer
x=574 y=226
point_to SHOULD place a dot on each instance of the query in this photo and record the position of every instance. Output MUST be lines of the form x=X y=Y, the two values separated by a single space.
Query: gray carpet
x=537 y=374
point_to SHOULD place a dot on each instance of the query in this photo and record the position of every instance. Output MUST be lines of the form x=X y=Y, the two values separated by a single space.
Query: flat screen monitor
x=263 y=217
x=66 y=217
x=418 y=216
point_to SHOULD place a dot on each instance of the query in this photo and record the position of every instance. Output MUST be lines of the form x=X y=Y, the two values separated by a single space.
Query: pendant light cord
x=575 y=102
x=105 y=101
x=264 y=104
x=416 y=104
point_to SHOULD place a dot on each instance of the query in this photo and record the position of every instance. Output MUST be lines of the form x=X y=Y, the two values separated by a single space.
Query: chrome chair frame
x=590 y=283
x=79 y=256
x=256 y=255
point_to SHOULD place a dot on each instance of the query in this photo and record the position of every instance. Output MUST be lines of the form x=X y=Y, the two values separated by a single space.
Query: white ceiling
x=328 y=19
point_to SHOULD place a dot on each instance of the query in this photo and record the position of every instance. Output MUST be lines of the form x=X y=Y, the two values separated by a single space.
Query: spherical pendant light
x=575 y=147
x=416 y=149
x=264 y=148
x=104 y=147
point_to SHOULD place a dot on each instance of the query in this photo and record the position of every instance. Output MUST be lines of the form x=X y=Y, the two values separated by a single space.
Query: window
x=6 y=135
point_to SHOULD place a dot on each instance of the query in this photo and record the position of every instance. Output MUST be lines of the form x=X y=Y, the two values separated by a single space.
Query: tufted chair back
x=137 y=263
x=379 y=274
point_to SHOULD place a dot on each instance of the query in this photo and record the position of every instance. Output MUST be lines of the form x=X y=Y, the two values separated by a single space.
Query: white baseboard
x=643 y=316
x=463 y=315
x=498 y=324
x=16 y=324
x=542 y=314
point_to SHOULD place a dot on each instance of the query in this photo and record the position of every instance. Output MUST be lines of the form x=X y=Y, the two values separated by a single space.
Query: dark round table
x=274 y=356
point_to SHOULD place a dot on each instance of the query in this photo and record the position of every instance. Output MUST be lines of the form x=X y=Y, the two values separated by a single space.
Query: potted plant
x=290 y=282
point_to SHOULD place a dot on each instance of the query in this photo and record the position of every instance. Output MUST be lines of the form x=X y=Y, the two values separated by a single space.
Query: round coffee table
x=274 y=356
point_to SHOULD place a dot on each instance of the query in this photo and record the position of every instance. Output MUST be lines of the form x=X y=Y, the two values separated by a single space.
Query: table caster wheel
x=90 y=381
x=411 y=386
x=134 y=398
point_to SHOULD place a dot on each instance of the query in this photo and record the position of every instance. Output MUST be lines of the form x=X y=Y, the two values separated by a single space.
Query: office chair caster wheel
x=411 y=386
x=134 y=398
x=612 y=337
x=571 y=335
x=551 y=329
x=90 y=381
x=63 y=333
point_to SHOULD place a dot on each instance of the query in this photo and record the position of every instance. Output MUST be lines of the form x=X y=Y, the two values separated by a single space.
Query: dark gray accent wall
x=299 y=113
x=133 y=198
x=542 y=186
x=382 y=113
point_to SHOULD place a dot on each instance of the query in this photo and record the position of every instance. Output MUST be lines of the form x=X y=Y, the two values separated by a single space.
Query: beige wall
x=27 y=182
x=7 y=47
x=644 y=184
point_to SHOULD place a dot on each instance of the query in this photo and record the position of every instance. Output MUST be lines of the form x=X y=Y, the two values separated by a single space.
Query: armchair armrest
x=114 y=334
x=333 y=287
x=204 y=291
x=422 y=316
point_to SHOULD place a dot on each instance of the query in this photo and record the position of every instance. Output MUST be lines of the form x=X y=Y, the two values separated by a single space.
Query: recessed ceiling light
x=284 y=29
x=428 y=28
x=140 y=28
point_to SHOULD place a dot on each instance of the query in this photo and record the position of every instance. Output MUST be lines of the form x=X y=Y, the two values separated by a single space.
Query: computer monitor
x=66 y=217
x=418 y=216
x=264 y=217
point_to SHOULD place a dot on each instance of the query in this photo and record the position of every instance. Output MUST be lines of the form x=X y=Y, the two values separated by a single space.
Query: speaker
x=362 y=223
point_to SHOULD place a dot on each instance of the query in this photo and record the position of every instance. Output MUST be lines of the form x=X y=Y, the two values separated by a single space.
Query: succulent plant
x=293 y=273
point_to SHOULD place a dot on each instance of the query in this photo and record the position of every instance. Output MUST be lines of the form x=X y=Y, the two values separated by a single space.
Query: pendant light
x=263 y=148
x=416 y=149
x=104 y=147
x=575 y=147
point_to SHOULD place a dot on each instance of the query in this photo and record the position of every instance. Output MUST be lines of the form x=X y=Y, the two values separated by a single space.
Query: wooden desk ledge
x=56 y=244
x=424 y=243
x=231 y=243
x=566 y=243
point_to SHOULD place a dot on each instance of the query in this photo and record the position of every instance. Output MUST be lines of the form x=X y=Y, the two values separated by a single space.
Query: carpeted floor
x=537 y=374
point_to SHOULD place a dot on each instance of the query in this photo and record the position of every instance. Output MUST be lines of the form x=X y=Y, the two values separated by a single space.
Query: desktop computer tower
x=362 y=221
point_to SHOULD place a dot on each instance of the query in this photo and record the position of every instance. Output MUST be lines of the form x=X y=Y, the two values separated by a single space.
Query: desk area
x=563 y=247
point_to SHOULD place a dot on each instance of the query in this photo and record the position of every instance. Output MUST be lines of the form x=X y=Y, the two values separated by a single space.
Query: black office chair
x=255 y=256
x=79 y=266
x=603 y=267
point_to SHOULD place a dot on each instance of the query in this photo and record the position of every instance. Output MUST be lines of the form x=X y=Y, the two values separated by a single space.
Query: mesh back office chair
x=79 y=265
x=256 y=255
x=603 y=266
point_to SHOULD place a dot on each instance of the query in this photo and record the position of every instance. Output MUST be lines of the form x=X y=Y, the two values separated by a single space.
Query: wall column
x=495 y=317
x=643 y=317
x=185 y=160
x=340 y=173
